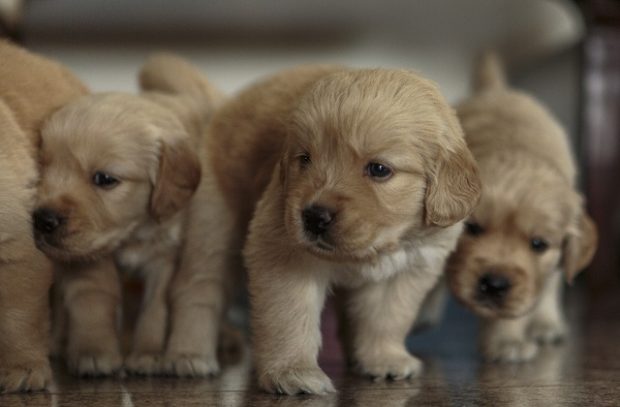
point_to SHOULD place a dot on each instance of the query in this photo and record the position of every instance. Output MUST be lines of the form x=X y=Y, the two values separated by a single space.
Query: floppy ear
x=177 y=179
x=453 y=186
x=579 y=248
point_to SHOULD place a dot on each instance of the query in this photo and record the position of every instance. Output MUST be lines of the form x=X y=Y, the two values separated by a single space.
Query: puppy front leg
x=91 y=298
x=547 y=324
x=506 y=340
x=382 y=313
x=24 y=324
x=151 y=328
x=286 y=311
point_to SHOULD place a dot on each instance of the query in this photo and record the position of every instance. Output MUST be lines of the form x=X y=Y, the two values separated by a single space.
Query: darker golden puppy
x=355 y=179
x=530 y=225
x=31 y=89
x=118 y=173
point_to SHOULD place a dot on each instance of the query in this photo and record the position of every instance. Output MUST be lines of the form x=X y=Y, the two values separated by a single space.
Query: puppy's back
x=498 y=118
x=180 y=87
x=247 y=134
x=33 y=87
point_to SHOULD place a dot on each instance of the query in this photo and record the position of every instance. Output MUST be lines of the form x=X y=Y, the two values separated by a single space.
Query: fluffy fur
x=31 y=89
x=528 y=197
x=305 y=137
x=151 y=145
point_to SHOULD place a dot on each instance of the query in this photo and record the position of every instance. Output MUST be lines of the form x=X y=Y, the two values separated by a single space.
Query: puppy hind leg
x=345 y=330
x=58 y=337
x=151 y=327
x=92 y=298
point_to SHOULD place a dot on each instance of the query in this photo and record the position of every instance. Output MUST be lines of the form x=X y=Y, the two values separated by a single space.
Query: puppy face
x=109 y=163
x=529 y=223
x=373 y=158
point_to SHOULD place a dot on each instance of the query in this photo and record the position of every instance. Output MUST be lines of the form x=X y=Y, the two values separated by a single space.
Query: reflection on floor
x=584 y=371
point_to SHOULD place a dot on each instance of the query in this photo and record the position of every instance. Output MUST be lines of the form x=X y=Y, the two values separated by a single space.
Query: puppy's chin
x=334 y=246
x=489 y=310
x=340 y=252
x=58 y=250
x=332 y=253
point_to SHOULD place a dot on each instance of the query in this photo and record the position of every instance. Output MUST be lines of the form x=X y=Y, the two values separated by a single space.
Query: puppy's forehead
x=101 y=130
x=526 y=205
x=371 y=109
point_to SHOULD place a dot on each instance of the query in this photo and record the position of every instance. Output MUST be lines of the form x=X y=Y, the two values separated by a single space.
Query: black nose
x=493 y=286
x=46 y=220
x=317 y=219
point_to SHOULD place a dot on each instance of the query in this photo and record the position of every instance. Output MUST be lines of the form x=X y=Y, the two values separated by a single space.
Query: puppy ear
x=579 y=247
x=177 y=179
x=453 y=186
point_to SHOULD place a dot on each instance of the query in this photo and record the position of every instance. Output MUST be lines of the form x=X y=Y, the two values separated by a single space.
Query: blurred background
x=566 y=53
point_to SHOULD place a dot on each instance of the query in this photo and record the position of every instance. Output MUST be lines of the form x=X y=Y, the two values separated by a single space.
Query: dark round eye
x=539 y=245
x=103 y=180
x=304 y=159
x=473 y=229
x=378 y=170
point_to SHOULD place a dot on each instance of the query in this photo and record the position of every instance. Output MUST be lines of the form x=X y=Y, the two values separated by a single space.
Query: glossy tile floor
x=583 y=371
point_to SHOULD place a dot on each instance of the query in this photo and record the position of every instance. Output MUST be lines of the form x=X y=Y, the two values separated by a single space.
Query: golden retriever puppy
x=355 y=180
x=118 y=172
x=31 y=88
x=529 y=227
x=209 y=266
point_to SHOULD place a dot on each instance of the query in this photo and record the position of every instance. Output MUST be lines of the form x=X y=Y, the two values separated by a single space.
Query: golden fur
x=31 y=88
x=528 y=179
x=151 y=144
x=305 y=136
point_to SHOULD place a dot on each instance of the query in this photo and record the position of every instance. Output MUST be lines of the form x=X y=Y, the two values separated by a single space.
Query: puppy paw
x=291 y=381
x=25 y=378
x=185 y=365
x=510 y=350
x=546 y=331
x=95 y=365
x=393 y=367
x=144 y=364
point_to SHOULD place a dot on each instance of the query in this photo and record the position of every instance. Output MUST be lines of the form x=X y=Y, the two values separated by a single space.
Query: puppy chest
x=148 y=245
x=386 y=266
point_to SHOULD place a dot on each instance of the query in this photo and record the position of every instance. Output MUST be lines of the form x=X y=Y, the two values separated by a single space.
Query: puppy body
x=302 y=139
x=150 y=146
x=529 y=226
x=31 y=89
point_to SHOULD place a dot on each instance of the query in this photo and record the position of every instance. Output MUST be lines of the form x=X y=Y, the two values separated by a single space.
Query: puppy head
x=109 y=163
x=529 y=223
x=373 y=158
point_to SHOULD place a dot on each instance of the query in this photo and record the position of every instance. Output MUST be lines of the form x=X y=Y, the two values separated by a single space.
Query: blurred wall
x=236 y=41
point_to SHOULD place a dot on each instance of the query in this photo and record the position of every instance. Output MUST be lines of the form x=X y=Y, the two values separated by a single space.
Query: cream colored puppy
x=355 y=179
x=529 y=229
x=118 y=173
x=31 y=89
x=209 y=266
